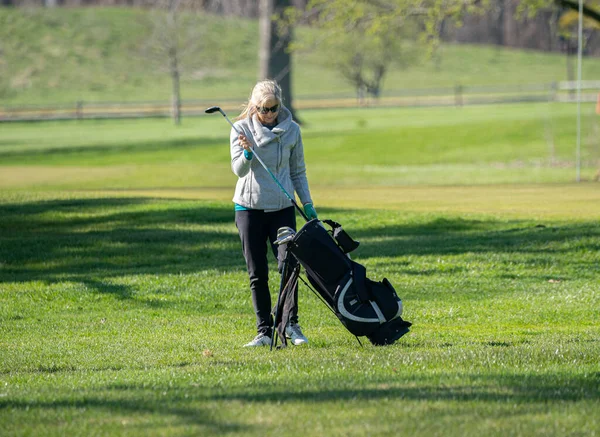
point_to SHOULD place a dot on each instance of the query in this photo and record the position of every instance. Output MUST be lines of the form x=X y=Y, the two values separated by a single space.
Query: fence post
x=79 y=110
x=552 y=92
x=548 y=125
x=458 y=97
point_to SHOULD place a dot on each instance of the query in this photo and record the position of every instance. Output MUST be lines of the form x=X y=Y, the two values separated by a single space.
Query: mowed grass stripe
x=555 y=201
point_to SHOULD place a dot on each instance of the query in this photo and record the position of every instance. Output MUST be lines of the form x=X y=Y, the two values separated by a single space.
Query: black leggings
x=255 y=228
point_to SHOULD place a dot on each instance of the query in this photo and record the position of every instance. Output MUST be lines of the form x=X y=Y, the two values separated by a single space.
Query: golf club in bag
x=365 y=307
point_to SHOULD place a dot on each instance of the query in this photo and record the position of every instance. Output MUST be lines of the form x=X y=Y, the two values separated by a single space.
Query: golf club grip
x=304 y=216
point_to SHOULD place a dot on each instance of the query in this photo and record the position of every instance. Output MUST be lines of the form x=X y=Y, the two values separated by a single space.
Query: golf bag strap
x=359 y=273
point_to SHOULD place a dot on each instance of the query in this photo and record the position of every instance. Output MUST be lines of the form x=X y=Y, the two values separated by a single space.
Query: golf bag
x=365 y=307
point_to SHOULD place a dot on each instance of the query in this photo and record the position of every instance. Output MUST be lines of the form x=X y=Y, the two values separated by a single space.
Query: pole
x=579 y=55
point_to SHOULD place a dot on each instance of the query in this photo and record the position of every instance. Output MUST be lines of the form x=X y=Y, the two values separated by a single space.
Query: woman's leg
x=253 y=231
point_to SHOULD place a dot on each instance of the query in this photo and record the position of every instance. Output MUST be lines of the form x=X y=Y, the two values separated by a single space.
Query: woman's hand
x=310 y=212
x=245 y=143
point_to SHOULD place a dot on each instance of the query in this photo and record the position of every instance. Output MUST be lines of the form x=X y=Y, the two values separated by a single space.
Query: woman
x=261 y=208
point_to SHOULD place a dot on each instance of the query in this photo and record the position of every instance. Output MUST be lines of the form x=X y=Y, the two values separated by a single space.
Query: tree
x=364 y=37
x=532 y=7
x=568 y=25
x=176 y=33
x=364 y=59
x=274 y=56
x=588 y=11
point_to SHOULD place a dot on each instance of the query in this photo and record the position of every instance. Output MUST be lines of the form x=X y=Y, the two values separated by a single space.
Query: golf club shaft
x=267 y=169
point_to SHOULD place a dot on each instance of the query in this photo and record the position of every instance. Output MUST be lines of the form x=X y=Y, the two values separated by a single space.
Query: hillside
x=106 y=54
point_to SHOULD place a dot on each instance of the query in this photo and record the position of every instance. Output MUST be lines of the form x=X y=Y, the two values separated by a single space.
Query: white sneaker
x=259 y=340
x=294 y=333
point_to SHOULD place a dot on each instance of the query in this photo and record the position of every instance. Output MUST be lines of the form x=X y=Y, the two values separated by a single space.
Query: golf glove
x=310 y=212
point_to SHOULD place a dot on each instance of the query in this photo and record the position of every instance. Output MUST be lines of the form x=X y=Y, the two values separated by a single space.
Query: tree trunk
x=374 y=87
x=571 y=50
x=509 y=24
x=275 y=60
x=500 y=11
x=174 y=67
x=176 y=91
x=264 y=49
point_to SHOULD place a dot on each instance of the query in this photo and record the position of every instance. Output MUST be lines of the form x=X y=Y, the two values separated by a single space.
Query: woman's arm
x=298 y=171
x=240 y=161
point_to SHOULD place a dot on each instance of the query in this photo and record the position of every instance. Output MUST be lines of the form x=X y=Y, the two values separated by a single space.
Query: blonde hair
x=262 y=92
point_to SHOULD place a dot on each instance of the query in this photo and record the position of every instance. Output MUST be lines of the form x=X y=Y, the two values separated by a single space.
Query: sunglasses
x=265 y=110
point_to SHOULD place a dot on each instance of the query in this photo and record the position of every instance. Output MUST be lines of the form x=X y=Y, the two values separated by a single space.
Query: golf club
x=284 y=235
x=214 y=109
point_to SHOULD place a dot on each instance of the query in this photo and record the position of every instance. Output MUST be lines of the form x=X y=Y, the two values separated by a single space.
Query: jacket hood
x=263 y=135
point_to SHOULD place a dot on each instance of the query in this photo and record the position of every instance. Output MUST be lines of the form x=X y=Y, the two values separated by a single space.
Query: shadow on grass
x=104 y=149
x=529 y=249
x=189 y=404
x=486 y=388
x=91 y=240
x=120 y=410
x=445 y=236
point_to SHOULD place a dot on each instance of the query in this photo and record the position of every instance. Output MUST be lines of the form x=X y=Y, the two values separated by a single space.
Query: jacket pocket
x=242 y=191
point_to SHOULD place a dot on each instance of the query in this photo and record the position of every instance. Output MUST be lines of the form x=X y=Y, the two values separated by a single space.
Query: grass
x=124 y=299
x=125 y=315
x=123 y=292
x=64 y=56
x=526 y=143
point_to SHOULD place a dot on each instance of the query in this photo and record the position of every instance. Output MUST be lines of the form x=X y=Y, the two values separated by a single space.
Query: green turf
x=124 y=298
x=126 y=315
x=525 y=143
x=67 y=55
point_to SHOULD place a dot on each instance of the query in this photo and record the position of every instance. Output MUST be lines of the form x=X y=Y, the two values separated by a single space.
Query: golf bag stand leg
x=285 y=299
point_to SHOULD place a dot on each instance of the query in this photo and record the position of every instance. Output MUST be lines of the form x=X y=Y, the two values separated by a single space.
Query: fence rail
x=451 y=96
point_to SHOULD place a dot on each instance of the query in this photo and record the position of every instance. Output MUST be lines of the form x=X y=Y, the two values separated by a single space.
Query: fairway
x=124 y=297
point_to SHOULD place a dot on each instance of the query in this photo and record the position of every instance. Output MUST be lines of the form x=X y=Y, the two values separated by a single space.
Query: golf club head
x=213 y=109
x=284 y=239
x=285 y=235
x=285 y=231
